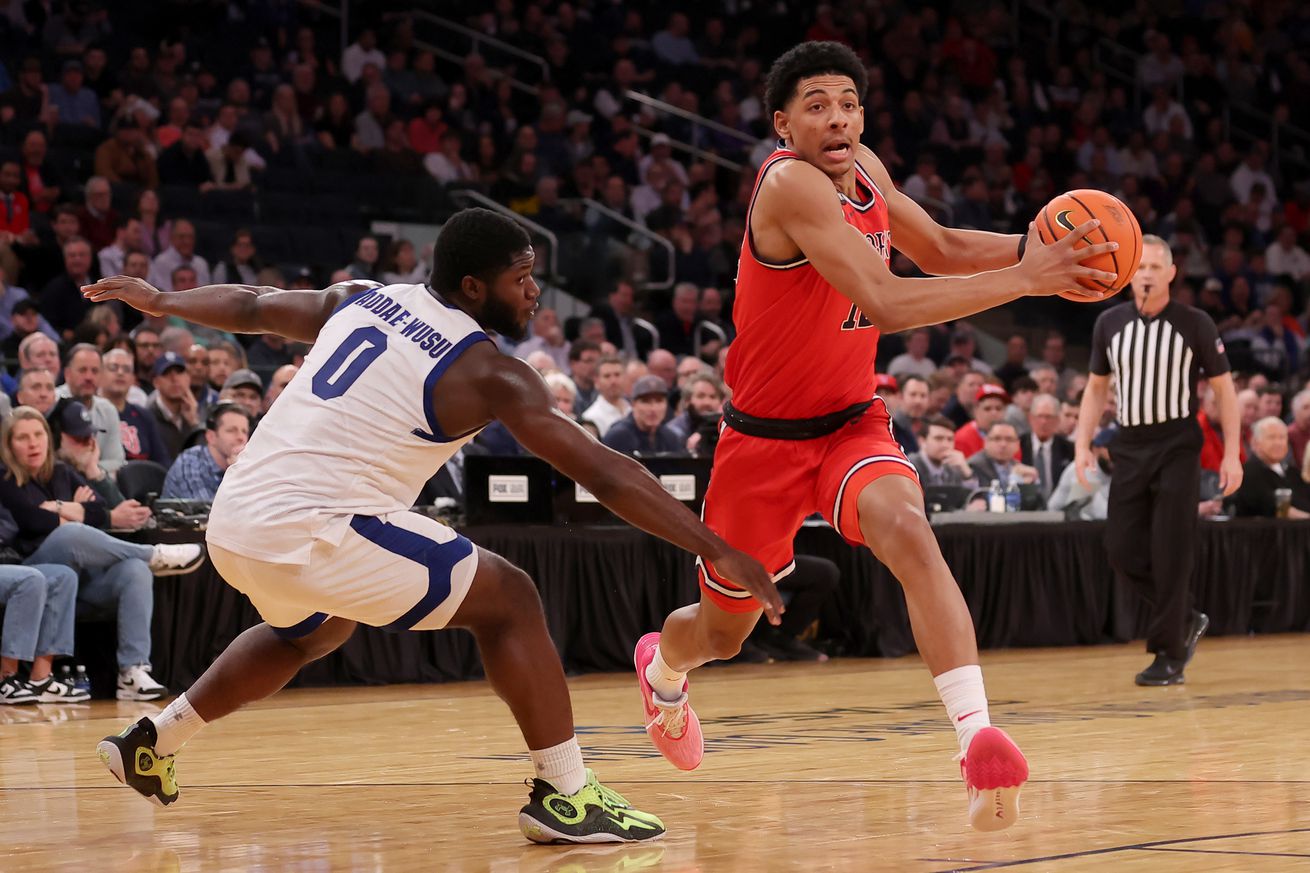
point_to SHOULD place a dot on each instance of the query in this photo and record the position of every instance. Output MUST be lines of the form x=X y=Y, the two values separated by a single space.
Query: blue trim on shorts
x=437 y=435
x=303 y=628
x=439 y=558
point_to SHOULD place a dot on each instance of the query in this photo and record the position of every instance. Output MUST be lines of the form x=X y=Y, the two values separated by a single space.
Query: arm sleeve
x=1100 y=361
x=107 y=490
x=1209 y=347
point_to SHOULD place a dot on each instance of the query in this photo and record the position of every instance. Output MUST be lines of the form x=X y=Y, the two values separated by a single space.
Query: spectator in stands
x=139 y=435
x=1267 y=472
x=547 y=338
x=1271 y=401
x=915 y=357
x=996 y=462
x=40 y=603
x=184 y=162
x=698 y=426
x=36 y=388
x=224 y=360
x=198 y=471
x=126 y=240
x=938 y=462
x=59 y=521
x=617 y=313
x=643 y=431
x=76 y=103
x=181 y=253
x=229 y=166
x=82 y=376
x=97 y=217
x=889 y=391
x=677 y=326
x=673 y=45
x=959 y=408
x=38 y=352
x=41 y=183
x=1047 y=378
x=362 y=51
x=197 y=365
x=281 y=378
x=15 y=215
x=173 y=405
x=156 y=233
x=913 y=410
x=365 y=264
x=245 y=389
x=1021 y=400
x=988 y=408
x=371 y=124
x=564 y=391
x=1285 y=257
x=1043 y=447
x=402 y=266
x=584 y=357
x=1078 y=502
x=62 y=302
x=126 y=158
x=610 y=404
x=1016 y=361
x=447 y=165
x=146 y=349
x=243 y=263
x=24 y=321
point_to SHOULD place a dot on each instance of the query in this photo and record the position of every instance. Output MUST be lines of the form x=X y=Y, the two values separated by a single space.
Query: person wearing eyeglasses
x=996 y=460
x=139 y=432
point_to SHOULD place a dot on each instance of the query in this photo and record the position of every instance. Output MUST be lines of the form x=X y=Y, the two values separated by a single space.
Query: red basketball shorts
x=762 y=489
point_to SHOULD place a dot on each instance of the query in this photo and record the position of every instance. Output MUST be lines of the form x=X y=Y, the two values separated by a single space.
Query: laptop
x=945 y=498
x=500 y=489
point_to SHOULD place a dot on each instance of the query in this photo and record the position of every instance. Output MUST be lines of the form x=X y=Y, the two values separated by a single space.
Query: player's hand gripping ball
x=1118 y=224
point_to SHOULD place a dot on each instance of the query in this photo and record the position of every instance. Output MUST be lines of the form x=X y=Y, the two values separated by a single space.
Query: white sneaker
x=51 y=690
x=136 y=683
x=15 y=691
x=172 y=559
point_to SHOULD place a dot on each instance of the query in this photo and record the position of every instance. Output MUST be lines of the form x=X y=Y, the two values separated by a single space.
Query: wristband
x=1023 y=244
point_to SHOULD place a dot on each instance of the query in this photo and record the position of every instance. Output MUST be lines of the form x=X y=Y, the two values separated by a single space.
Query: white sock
x=962 y=691
x=175 y=725
x=666 y=682
x=561 y=766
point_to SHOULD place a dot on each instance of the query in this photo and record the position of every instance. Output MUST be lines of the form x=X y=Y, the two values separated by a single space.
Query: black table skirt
x=1038 y=585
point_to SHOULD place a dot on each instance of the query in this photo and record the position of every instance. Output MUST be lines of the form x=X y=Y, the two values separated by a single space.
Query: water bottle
x=995 y=497
x=65 y=677
x=1012 y=497
x=81 y=681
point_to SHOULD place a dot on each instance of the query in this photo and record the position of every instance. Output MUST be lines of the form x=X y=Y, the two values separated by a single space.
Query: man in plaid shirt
x=198 y=471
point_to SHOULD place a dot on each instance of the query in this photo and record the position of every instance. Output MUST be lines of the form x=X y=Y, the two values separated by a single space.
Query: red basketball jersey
x=802 y=349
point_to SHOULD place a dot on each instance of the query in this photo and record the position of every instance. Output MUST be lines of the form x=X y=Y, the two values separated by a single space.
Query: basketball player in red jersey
x=804 y=431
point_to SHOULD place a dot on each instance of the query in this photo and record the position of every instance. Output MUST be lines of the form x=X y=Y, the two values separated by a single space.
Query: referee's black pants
x=1151 y=531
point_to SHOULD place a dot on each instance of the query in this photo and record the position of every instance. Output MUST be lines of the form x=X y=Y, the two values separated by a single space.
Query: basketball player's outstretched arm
x=796 y=202
x=934 y=248
x=514 y=393
x=296 y=314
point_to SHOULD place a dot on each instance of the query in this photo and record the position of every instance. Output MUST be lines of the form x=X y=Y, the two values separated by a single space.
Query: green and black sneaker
x=131 y=757
x=595 y=814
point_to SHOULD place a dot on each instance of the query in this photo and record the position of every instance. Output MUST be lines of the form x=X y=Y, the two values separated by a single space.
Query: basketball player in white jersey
x=312 y=523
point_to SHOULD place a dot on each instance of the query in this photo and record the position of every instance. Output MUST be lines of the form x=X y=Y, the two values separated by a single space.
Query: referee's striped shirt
x=1156 y=362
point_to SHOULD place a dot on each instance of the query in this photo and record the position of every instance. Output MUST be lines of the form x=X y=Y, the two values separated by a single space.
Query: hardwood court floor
x=843 y=766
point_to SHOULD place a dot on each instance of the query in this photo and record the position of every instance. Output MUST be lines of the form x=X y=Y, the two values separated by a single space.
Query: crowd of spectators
x=187 y=143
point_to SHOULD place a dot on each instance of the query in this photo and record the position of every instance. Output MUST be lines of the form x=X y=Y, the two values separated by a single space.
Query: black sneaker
x=15 y=691
x=131 y=757
x=595 y=814
x=1163 y=671
x=1200 y=624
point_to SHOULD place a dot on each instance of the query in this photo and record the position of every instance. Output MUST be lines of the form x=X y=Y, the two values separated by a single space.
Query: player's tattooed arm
x=296 y=314
x=516 y=395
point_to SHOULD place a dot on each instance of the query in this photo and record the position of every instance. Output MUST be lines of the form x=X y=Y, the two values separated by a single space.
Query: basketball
x=1118 y=224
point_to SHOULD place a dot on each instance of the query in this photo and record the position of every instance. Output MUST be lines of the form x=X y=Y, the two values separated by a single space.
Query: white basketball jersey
x=353 y=433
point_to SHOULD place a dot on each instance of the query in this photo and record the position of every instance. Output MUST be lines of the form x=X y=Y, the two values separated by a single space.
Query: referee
x=1155 y=351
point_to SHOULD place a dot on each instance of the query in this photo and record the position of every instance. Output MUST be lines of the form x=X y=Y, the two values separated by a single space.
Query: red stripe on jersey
x=803 y=349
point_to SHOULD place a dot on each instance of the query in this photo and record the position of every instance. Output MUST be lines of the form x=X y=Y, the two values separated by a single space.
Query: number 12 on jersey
x=344 y=366
x=856 y=320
